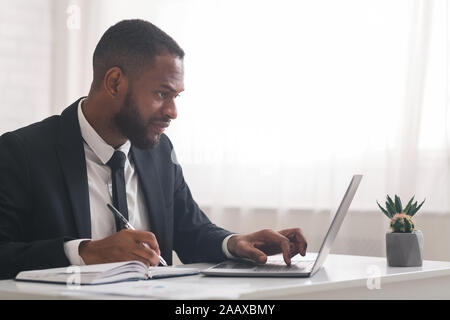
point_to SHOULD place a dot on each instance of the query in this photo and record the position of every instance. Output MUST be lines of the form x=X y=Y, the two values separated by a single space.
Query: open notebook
x=104 y=273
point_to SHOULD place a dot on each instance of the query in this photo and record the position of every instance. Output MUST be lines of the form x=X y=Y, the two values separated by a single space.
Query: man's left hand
x=258 y=245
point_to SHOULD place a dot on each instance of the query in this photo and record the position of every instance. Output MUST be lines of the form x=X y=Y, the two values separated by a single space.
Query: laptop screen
x=337 y=222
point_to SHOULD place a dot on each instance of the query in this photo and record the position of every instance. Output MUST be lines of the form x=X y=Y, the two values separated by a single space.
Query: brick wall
x=25 y=62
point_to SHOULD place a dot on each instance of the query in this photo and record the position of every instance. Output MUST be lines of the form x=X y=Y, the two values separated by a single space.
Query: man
x=57 y=175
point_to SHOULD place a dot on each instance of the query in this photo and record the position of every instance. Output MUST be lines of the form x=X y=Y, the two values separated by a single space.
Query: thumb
x=254 y=254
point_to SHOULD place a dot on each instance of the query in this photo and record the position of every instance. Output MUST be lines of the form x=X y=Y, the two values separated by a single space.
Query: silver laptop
x=296 y=269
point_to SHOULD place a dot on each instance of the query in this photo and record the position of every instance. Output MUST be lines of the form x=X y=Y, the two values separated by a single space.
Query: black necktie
x=117 y=165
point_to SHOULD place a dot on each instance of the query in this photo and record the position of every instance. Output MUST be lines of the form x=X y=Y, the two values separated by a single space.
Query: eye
x=163 y=94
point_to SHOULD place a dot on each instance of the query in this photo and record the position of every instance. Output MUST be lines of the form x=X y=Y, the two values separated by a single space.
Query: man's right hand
x=125 y=245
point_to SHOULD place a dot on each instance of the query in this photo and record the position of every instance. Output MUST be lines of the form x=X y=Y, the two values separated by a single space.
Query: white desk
x=342 y=277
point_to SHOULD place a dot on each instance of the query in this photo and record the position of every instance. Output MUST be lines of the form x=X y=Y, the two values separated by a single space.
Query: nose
x=170 y=109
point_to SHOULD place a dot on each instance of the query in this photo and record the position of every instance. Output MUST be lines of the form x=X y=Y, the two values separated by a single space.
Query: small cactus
x=401 y=218
x=401 y=222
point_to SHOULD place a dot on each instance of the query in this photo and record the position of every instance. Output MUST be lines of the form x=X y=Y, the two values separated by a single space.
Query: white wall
x=25 y=62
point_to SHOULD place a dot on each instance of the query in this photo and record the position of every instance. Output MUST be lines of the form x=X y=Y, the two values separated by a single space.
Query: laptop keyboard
x=235 y=265
x=268 y=267
x=282 y=267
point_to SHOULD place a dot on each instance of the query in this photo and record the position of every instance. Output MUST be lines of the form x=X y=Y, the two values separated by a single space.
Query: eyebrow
x=170 y=88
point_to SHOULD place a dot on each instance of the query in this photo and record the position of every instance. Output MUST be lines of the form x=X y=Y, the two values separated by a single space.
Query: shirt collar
x=99 y=146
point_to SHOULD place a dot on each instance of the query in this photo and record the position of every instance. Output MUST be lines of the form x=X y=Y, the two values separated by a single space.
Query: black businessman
x=57 y=175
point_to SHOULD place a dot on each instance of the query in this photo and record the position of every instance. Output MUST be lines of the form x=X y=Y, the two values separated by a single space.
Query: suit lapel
x=70 y=151
x=149 y=179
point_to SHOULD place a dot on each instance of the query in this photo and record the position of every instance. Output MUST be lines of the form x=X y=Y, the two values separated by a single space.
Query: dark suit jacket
x=44 y=198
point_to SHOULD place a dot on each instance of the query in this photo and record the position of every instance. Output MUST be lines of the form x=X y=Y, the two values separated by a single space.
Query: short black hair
x=130 y=45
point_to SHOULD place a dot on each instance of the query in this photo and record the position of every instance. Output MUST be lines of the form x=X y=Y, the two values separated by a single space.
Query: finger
x=293 y=246
x=139 y=258
x=148 y=238
x=146 y=253
x=295 y=235
x=148 y=247
x=301 y=242
x=293 y=249
x=281 y=241
x=285 y=249
x=248 y=251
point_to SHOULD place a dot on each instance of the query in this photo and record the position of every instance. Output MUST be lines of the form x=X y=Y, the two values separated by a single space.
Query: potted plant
x=404 y=244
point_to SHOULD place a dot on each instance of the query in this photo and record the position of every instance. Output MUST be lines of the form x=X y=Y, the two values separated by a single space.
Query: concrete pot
x=404 y=249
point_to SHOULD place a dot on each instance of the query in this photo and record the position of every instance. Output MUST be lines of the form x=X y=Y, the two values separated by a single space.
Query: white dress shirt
x=98 y=153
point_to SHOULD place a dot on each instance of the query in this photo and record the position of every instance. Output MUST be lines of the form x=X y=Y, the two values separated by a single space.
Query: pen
x=129 y=226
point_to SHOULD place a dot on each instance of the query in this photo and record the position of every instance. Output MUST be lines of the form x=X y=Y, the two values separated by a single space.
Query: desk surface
x=341 y=277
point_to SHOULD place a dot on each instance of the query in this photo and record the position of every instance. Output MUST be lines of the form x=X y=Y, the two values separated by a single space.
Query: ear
x=115 y=82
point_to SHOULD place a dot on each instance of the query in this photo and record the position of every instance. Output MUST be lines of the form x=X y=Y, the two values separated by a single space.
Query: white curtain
x=286 y=100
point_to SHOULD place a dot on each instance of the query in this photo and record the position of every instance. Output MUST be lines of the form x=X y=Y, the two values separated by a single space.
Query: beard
x=130 y=123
